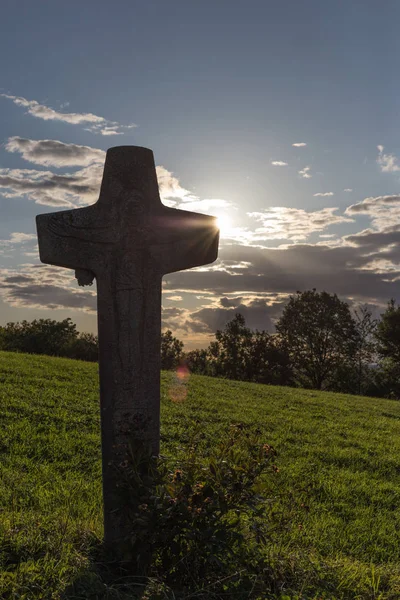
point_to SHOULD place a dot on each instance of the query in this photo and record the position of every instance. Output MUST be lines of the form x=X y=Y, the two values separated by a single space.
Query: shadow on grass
x=107 y=579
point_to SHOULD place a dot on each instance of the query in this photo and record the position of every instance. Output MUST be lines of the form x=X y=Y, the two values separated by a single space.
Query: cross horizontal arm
x=185 y=240
x=73 y=238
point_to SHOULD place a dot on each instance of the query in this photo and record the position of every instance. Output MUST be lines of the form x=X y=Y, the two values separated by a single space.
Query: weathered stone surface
x=128 y=240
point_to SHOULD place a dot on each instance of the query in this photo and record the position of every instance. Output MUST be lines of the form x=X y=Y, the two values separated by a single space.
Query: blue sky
x=220 y=91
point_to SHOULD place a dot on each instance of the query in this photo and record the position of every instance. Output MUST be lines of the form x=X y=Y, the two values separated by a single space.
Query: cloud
x=368 y=205
x=279 y=163
x=387 y=162
x=251 y=280
x=82 y=186
x=53 y=153
x=305 y=173
x=299 y=144
x=377 y=242
x=382 y=210
x=282 y=223
x=39 y=286
x=258 y=312
x=348 y=190
x=172 y=312
x=170 y=188
x=206 y=205
x=24 y=242
x=50 y=189
x=323 y=194
x=97 y=124
x=21 y=238
x=338 y=269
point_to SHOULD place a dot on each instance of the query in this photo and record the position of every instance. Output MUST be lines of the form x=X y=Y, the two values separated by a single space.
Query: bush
x=84 y=347
x=206 y=521
x=49 y=337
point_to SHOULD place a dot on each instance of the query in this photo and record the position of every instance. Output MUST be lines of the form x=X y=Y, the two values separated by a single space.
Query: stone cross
x=127 y=240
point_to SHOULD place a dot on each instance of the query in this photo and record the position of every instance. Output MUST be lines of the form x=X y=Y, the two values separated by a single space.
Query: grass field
x=339 y=468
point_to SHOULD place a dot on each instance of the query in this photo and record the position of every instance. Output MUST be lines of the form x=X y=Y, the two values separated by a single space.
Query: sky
x=280 y=118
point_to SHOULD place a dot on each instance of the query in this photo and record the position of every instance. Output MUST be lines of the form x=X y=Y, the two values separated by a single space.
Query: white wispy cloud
x=207 y=204
x=387 y=162
x=299 y=144
x=17 y=237
x=324 y=194
x=348 y=189
x=294 y=224
x=279 y=163
x=305 y=173
x=96 y=123
x=171 y=191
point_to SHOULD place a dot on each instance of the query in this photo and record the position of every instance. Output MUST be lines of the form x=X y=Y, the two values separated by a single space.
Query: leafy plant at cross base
x=203 y=526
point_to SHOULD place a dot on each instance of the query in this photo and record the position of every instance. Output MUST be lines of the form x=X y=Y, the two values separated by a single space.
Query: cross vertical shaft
x=129 y=367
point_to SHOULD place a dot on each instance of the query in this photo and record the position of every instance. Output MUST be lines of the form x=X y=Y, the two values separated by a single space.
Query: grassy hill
x=339 y=471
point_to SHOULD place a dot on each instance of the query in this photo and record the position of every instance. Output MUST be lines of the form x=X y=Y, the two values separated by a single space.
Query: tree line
x=319 y=343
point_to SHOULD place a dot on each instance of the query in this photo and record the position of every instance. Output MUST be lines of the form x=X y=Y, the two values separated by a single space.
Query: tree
x=42 y=336
x=171 y=350
x=388 y=333
x=365 y=345
x=241 y=353
x=386 y=381
x=84 y=347
x=230 y=352
x=270 y=360
x=321 y=336
x=197 y=361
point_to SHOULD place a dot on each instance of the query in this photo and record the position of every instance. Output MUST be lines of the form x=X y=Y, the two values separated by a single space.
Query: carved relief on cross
x=128 y=240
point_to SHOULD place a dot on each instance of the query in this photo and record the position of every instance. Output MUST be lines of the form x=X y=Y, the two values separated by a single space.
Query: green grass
x=338 y=455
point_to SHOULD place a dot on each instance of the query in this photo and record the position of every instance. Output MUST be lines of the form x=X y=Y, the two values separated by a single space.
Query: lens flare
x=179 y=388
x=182 y=373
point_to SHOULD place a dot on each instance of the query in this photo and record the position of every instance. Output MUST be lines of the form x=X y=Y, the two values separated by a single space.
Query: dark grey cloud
x=49 y=296
x=17 y=279
x=53 y=153
x=44 y=287
x=345 y=270
x=50 y=189
x=376 y=240
x=369 y=204
x=173 y=312
x=258 y=313
x=229 y=302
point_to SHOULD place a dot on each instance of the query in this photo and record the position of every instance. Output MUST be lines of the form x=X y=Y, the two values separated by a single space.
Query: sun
x=224 y=224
